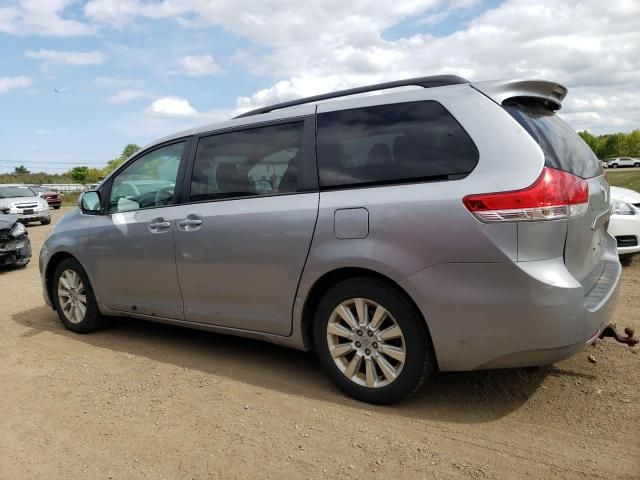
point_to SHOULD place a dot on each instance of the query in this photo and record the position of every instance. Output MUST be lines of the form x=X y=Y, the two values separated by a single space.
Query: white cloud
x=128 y=96
x=10 y=83
x=41 y=17
x=66 y=57
x=121 y=83
x=200 y=65
x=336 y=44
x=171 y=107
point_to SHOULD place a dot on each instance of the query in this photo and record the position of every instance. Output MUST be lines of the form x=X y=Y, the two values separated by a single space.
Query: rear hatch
x=564 y=150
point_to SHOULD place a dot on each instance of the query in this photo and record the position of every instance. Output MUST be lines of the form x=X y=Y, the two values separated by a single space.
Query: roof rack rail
x=425 y=82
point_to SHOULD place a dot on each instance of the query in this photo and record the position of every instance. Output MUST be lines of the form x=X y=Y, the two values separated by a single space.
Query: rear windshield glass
x=401 y=142
x=562 y=146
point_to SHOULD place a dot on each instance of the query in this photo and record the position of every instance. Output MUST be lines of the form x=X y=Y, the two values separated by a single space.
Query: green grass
x=70 y=199
x=624 y=179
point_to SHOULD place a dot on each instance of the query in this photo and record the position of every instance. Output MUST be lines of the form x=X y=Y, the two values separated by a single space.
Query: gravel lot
x=142 y=400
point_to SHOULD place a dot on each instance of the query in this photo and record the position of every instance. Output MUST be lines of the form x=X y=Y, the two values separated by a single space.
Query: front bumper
x=499 y=315
x=16 y=255
x=626 y=227
x=35 y=216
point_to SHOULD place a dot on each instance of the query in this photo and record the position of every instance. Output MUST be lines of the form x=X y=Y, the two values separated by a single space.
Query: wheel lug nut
x=370 y=333
x=359 y=332
x=367 y=351
x=358 y=344
x=375 y=344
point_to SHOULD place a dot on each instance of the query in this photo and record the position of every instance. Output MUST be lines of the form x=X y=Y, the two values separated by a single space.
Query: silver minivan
x=451 y=226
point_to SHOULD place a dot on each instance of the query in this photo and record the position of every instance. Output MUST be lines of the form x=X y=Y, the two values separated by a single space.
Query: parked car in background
x=54 y=199
x=624 y=224
x=23 y=202
x=15 y=247
x=456 y=226
x=618 y=162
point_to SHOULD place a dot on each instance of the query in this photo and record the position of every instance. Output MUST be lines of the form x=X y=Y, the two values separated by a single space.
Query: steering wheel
x=164 y=196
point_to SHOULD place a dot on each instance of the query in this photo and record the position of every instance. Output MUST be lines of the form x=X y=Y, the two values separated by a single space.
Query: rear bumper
x=498 y=315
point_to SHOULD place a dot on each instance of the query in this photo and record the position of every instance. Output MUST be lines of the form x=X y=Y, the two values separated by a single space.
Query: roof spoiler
x=549 y=94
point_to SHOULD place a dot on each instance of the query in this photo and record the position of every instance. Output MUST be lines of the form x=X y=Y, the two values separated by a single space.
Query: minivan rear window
x=402 y=142
x=562 y=146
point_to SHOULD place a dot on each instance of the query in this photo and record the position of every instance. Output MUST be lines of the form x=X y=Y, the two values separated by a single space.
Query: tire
x=614 y=165
x=419 y=358
x=92 y=319
x=45 y=222
x=57 y=207
x=636 y=165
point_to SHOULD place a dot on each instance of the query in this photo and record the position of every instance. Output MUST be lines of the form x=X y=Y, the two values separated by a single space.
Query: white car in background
x=624 y=224
x=27 y=205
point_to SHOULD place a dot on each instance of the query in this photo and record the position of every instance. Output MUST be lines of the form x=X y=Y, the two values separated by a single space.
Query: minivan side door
x=243 y=236
x=132 y=243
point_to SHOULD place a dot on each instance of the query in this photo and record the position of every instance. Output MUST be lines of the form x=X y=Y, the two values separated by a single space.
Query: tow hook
x=610 y=331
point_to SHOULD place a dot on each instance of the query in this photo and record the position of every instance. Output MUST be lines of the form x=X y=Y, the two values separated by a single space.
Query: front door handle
x=159 y=225
x=192 y=222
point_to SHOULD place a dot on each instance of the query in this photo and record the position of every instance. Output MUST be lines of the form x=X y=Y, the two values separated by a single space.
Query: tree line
x=613 y=144
x=80 y=174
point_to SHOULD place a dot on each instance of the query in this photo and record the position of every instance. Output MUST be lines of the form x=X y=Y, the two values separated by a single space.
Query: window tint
x=392 y=143
x=562 y=146
x=149 y=181
x=259 y=161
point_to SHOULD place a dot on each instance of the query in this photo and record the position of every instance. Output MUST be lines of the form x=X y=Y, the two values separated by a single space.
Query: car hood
x=7 y=221
x=7 y=202
x=625 y=195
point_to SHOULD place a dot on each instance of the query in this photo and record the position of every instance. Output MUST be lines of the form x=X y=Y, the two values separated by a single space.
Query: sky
x=81 y=79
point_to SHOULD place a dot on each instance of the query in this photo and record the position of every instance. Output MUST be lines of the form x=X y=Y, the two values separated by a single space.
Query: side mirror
x=89 y=202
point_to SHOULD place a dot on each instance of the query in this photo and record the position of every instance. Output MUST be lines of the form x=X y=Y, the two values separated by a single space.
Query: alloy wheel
x=366 y=343
x=72 y=296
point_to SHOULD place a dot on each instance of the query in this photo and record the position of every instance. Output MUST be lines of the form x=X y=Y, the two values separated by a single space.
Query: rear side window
x=395 y=143
x=562 y=146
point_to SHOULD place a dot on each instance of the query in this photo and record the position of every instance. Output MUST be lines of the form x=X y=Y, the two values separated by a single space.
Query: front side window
x=259 y=161
x=392 y=143
x=148 y=182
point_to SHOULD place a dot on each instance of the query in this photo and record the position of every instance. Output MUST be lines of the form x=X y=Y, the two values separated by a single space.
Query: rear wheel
x=614 y=165
x=372 y=341
x=74 y=299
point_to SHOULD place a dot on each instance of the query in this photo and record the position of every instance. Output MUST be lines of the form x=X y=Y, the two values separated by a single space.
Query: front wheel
x=74 y=299
x=636 y=165
x=372 y=341
x=46 y=221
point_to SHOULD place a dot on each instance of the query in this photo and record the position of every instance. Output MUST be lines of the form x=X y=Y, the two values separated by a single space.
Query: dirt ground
x=142 y=400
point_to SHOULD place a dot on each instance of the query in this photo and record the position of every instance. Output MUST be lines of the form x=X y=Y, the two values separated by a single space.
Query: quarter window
x=258 y=161
x=148 y=182
x=392 y=143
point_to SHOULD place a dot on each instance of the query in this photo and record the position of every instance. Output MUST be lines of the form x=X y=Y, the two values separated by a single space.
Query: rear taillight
x=554 y=195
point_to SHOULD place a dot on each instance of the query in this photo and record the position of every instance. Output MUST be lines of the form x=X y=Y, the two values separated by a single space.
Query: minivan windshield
x=13 y=191
x=562 y=146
